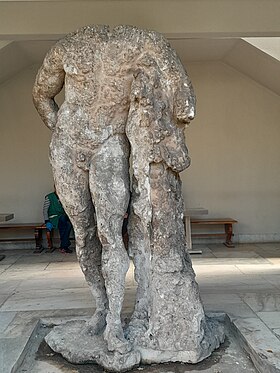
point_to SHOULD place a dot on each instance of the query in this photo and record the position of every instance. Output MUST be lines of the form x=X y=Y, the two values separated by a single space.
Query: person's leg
x=64 y=227
x=109 y=185
x=73 y=190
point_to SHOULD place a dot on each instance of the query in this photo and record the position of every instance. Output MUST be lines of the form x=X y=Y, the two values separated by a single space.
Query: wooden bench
x=226 y=222
x=37 y=229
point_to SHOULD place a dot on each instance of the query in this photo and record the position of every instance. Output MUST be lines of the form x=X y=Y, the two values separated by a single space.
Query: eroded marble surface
x=127 y=96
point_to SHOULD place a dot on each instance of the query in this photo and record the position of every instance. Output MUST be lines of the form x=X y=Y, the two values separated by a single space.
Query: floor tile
x=271 y=245
x=10 y=259
x=58 y=273
x=10 y=351
x=237 y=289
x=262 y=302
x=3 y=268
x=35 y=258
x=274 y=260
x=277 y=332
x=234 y=309
x=273 y=279
x=49 y=299
x=268 y=253
x=5 y=319
x=260 y=268
x=62 y=265
x=52 y=283
x=238 y=247
x=216 y=269
x=263 y=342
x=21 y=325
x=27 y=267
x=271 y=319
x=217 y=298
x=236 y=254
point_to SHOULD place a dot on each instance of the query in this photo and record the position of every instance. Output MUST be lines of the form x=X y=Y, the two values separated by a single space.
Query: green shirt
x=55 y=210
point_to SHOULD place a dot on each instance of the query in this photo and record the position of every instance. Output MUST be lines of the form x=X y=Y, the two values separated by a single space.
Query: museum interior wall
x=233 y=143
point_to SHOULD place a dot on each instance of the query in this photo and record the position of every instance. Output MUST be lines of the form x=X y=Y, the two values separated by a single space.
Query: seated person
x=55 y=217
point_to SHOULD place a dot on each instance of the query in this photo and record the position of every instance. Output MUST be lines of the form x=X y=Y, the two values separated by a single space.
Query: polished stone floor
x=244 y=282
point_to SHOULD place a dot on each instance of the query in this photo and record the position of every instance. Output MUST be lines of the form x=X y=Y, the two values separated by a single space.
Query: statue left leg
x=109 y=185
x=72 y=185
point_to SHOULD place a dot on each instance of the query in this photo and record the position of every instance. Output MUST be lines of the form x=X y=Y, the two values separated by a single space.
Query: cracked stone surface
x=127 y=101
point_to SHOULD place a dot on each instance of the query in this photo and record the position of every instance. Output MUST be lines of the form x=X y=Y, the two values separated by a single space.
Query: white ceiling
x=238 y=53
x=268 y=45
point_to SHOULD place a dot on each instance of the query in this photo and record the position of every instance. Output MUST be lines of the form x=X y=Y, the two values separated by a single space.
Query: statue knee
x=108 y=233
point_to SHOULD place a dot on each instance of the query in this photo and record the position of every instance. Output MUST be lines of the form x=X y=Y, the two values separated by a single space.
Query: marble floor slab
x=274 y=260
x=52 y=283
x=262 y=302
x=232 y=279
x=3 y=268
x=232 y=261
x=35 y=258
x=277 y=332
x=21 y=325
x=215 y=269
x=9 y=259
x=49 y=299
x=216 y=298
x=235 y=310
x=221 y=248
x=262 y=342
x=5 y=319
x=273 y=279
x=269 y=245
x=3 y=298
x=236 y=254
x=270 y=318
x=62 y=265
x=266 y=269
x=11 y=350
x=267 y=253
x=58 y=273
x=241 y=281
x=27 y=267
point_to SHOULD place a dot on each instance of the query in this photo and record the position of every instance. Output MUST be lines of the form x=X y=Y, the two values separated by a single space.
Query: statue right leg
x=72 y=186
x=109 y=185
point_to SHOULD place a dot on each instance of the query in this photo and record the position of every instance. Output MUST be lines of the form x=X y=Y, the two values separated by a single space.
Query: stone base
x=214 y=336
x=79 y=347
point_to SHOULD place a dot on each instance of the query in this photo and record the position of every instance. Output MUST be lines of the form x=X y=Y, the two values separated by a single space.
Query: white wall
x=233 y=143
x=25 y=171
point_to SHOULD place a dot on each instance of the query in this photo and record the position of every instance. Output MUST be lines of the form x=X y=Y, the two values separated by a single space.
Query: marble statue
x=119 y=136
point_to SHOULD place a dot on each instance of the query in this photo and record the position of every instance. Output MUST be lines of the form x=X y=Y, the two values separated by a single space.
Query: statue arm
x=49 y=82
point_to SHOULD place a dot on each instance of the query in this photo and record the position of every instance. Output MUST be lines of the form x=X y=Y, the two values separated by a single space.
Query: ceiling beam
x=186 y=18
x=4 y=43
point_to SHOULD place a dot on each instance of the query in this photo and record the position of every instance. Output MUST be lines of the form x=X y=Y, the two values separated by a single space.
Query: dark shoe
x=65 y=250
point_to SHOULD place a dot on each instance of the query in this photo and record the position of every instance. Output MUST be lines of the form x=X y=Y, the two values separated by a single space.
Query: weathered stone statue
x=126 y=95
